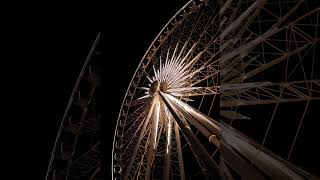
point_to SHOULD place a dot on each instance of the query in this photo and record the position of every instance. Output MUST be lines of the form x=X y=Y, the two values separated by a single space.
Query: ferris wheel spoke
x=244 y=15
x=209 y=123
x=180 y=73
x=136 y=115
x=228 y=20
x=244 y=49
x=205 y=72
x=138 y=169
x=225 y=6
x=277 y=19
x=131 y=133
x=267 y=93
x=175 y=71
x=212 y=138
x=153 y=138
x=263 y=159
x=296 y=46
x=231 y=71
x=194 y=91
x=167 y=157
x=201 y=28
x=243 y=28
x=268 y=65
x=179 y=151
x=142 y=133
x=208 y=166
x=226 y=171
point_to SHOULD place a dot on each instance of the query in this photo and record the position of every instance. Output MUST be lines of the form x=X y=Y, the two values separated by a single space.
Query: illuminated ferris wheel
x=224 y=91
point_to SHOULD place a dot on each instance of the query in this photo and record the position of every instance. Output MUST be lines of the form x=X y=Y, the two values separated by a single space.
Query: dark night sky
x=54 y=40
x=48 y=46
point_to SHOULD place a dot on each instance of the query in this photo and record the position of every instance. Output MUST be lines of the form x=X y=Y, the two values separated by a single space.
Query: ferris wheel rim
x=135 y=74
x=140 y=63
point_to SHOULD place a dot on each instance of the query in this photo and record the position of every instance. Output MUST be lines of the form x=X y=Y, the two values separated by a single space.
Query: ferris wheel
x=228 y=89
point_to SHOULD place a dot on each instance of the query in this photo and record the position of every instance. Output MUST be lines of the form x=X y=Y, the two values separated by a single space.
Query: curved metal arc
x=135 y=73
x=71 y=100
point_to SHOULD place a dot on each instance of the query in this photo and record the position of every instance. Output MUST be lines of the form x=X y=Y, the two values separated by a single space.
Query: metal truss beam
x=195 y=91
x=244 y=94
x=209 y=167
x=272 y=166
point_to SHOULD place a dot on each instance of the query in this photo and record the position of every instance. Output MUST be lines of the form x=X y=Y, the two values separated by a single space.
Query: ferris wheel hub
x=154 y=88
